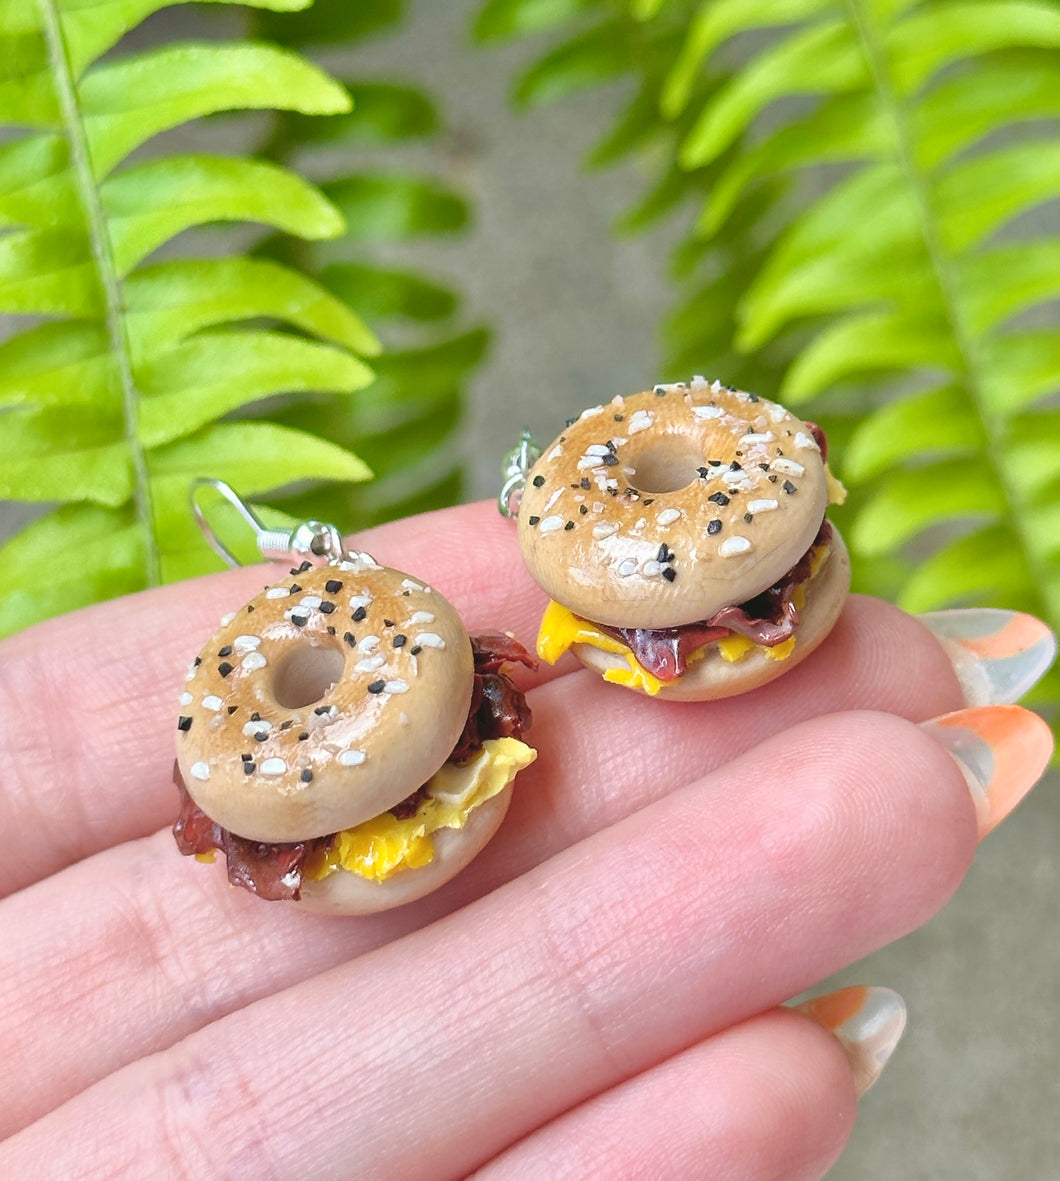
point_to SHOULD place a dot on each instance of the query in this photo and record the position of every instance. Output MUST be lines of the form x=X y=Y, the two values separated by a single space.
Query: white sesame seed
x=591 y=412
x=627 y=567
x=200 y=770
x=310 y=600
x=246 y=643
x=396 y=686
x=804 y=440
x=277 y=592
x=227 y=619
x=668 y=516
x=551 y=524
x=192 y=669
x=351 y=758
x=411 y=584
x=359 y=601
x=761 y=506
x=702 y=412
x=552 y=500
x=253 y=661
x=640 y=421
x=758 y=437
x=699 y=382
x=604 y=529
x=555 y=453
x=732 y=546
x=589 y=461
x=788 y=467
x=258 y=727
x=651 y=568
x=715 y=386
x=273 y=766
x=186 y=698
x=369 y=664
x=421 y=617
x=212 y=701
x=597 y=449
x=429 y=640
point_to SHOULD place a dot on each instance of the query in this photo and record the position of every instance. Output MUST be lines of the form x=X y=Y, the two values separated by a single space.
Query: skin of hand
x=596 y=996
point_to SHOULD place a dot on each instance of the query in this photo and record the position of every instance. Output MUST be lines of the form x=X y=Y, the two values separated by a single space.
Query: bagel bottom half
x=387 y=862
x=710 y=675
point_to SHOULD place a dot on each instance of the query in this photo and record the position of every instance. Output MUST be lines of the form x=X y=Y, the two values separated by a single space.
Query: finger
x=142 y=947
x=134 y=933
x=768 y=1100
x=88 y=700
x=712 y=904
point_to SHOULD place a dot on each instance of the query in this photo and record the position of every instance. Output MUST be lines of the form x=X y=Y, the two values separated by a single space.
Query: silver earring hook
x=517 y=465
x=313 y=541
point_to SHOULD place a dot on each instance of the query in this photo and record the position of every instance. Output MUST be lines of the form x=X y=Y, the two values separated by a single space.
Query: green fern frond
x=405 y=424
x=114 y=402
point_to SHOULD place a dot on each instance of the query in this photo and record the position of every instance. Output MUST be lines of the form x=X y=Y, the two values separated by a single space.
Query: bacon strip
x=274 y=872
x=768 y=619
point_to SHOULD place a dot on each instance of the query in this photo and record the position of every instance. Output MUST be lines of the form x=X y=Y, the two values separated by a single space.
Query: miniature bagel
x=323 y=702
x=661 y=508
x=712 y=676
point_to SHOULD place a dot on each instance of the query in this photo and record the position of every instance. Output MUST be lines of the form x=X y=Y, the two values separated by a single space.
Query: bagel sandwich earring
x=681 y=535
x=341 y=739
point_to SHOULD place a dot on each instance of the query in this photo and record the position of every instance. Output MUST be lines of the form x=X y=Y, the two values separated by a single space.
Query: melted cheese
x=383 y=845
x=561 y=629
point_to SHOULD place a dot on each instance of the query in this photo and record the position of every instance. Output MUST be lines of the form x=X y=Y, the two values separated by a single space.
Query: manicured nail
x=1003 y=750
x=997 y=655
x=868 y=1023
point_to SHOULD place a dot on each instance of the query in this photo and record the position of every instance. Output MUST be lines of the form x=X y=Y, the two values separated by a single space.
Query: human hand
x=595 y=996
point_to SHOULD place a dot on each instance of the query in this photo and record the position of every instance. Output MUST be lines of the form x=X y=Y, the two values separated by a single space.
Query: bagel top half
x=323 y=701
x=659 y=509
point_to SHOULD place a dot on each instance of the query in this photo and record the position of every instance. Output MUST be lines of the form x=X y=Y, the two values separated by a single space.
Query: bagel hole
x=306 y=674
x=666 y=465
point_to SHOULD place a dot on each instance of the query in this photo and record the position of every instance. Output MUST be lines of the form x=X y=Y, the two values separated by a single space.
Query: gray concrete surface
x=972 y=1092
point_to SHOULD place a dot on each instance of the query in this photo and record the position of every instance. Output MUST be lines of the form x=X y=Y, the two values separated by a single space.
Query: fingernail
x=868 y=1021
x=997 y=655
x=1003 y=750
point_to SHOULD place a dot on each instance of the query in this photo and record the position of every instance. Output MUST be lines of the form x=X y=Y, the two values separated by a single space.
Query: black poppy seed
x=533 y=520
x=388 y=623
x=327 y=607
x=664 y=554
x=772 y=479
x=788 y=487
x=304 y=567
x=247 y=757
x=250 y=608
x=350 y=638
x=714 y=462
x=734 y=466
x=648 y=500
x=288 y=724
x=764 y=467
x=331 y=630
x=333 y=586
x=255 y=717
x=714 y=526
x=611 y=445
x=583 y=510
x=399 y=641
x=415 y=650
x=224 y=668
x=377 y=686
x=748 y=517
x=585 y=483
x=232 y=709
x=183 y=723
x=739 y=453
x=719 y=498
x=609 y=460
x=359 y=614
x=197 y=661
x=405 y=594
x=659 y=391
x=703 y=473
x=306 y=776
x=539 y=481
x=753 y=397
x=260 y=735
x=613 y=491
x=571 y=421
x=618 y=417
x=669 y=573
x=225 y=651
x=248 y=767
x=299 y=620
x=322 y=709
x=294 y=588
x=303 y=736
x=569 y=526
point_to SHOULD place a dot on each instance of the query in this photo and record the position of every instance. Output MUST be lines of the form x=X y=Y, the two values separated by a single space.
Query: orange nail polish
x=868 y=1021
x=1002 y=750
